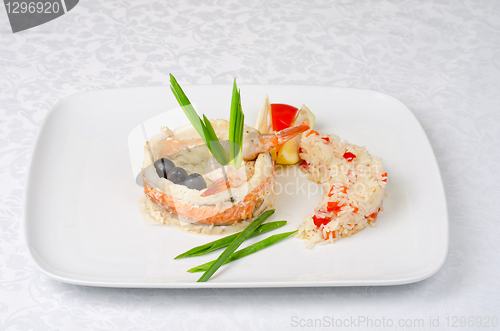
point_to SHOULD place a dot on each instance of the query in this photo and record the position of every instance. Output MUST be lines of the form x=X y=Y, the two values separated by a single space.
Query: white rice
x=354 y=190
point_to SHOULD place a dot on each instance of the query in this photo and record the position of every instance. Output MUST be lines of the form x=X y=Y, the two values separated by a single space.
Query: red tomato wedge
x=282 y=115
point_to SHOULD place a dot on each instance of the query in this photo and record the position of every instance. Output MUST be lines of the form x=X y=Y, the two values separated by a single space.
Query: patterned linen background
x=441 y=58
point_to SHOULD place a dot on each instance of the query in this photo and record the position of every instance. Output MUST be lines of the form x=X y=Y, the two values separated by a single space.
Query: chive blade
x=236 y=127
x=215 y=146
x=239 y=143
x=235 y=244
x=224 y=242
x=187 y=107
x=203 y=127
x=260 y=245
x=232 y=116
x=233 y=119
x=206 y=131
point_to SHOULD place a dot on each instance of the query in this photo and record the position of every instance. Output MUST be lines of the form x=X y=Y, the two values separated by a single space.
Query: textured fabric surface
x=441 y=58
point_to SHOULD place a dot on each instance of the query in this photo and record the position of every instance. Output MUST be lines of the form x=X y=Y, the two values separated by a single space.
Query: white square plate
x=83 y=222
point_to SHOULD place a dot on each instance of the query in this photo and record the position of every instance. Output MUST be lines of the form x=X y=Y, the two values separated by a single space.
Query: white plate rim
x=118 y=284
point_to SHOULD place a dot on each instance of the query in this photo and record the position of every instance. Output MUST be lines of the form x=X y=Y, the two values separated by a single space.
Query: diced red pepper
x=385 y=177
x=374 y=215
x=304 y=164
x=318 y=221
x=326 y=138
x=344 y=190
x=332 y=233
x=349 y=156
x=333 y=206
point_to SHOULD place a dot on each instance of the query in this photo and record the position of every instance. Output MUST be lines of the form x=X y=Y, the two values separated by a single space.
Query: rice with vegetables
x=353 y=182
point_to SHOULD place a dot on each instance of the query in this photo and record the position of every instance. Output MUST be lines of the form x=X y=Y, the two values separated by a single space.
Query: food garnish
x=282 y=116
x=349 y=156
x=176 y=175
x=236 y=126
x=203 y=127
x=247 y=250
x=224 y=242
x=276 y=117
x=207 y=132
x=162 y=166
x=195 y=181
x=242 y=236
x=165 y=168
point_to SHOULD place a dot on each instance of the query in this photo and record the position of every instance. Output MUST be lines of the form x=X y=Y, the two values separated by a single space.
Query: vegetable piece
x=207 y=132
x=349 y=156
x=334 y=206
x=247 y=251
x=187 y=107
x=236 y=126
x=176 y=175
x=162 y=166
x=235 y=244
x=195 y=181
x=223 y=242
x=318 y=221
x=214 y=144
x=204 y=128
x=282 y=116
x=328 y=233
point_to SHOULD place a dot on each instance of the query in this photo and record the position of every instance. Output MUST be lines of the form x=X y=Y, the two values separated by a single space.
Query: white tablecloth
x=442 y=59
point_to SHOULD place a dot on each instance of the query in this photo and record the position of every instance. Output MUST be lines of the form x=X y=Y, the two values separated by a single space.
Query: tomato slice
x=282 y=115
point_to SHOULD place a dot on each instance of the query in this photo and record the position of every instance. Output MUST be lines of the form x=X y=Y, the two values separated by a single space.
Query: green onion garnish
x=235 y=244
x=207 y=132
x=204 y=128
x=223 y=242
x=236 y=126
x=246 y=251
